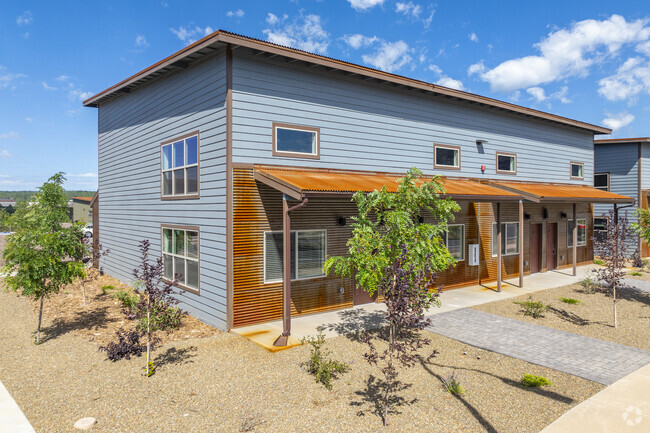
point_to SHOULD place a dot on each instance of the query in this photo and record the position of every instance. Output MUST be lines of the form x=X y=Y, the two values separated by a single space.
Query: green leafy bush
x=532 y=308
x=452 y=384
x=106 y=289
x=163 y=318
x=569 y=301
x=590 y=285
x=128 y=300
x=320 y=364
x=532 y=381
x=636 y=274
x=598 y=262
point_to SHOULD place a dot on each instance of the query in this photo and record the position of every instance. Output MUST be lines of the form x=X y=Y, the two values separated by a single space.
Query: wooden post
x=499 y=237
x=574 y=235
x=521 y=243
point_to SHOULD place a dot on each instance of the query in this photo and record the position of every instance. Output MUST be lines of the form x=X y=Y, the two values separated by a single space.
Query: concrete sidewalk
x=12 y=419
x=622 y=407
x=367 y=316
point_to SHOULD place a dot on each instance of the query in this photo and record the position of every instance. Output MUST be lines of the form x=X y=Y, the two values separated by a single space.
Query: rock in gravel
x=85 y=423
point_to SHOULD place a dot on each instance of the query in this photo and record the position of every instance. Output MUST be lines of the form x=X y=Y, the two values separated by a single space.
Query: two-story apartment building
x=235 y=153
x=618 y=164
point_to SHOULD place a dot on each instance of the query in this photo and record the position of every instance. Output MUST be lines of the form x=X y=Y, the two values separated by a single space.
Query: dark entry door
x=551 y=246
x=535 y=248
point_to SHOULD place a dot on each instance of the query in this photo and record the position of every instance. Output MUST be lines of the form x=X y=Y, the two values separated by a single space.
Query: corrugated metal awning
x=299 y=183
x=556 y=193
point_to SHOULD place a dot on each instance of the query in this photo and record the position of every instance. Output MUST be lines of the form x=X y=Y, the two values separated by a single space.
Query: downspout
x=283 y=339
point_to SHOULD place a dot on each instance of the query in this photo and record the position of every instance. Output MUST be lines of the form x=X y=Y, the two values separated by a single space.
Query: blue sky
x=586 y=60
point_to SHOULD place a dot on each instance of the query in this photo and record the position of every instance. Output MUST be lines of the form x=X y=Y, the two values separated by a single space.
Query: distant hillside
x=26 y=195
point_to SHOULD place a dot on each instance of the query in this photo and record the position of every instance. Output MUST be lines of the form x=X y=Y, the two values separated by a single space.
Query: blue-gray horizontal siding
x=131 y=129
x=621 y=162
x=369 y=127
x=645 y=166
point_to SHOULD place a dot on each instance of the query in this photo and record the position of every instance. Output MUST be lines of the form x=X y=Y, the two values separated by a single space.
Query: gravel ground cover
x=223 y=382
x=592 y=316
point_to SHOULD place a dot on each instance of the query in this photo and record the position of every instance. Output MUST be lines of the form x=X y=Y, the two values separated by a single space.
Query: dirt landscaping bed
x=223 y=382
x=591 y=317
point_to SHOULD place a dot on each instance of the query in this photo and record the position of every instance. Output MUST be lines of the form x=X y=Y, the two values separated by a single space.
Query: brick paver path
x=641 y=285
x=589 y=358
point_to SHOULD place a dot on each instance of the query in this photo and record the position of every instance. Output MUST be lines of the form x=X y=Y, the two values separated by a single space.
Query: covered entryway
x=535 y=248
x=551 y=246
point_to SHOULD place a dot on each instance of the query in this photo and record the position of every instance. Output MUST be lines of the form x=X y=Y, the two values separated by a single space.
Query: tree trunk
x=615 y=321
x=148 y=329
x=40 y=315
x=391 y=341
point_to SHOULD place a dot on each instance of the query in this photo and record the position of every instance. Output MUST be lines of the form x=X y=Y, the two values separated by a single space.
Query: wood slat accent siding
x=258 y=208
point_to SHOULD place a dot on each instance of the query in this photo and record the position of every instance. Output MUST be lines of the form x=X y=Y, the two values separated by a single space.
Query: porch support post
x=499 y=234
x=574 y=235
x=615 y=213
x=521 y=243
x=283 y=339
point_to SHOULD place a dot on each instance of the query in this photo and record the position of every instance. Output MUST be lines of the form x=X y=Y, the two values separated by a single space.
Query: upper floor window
x=509 y=239
x=506 y=163
x=601 y=181
x=582 y=232
x=180 y=167
x=446 y=156
x=180 y=252
x=296 y=141
x=455 y=241
x=577 y=170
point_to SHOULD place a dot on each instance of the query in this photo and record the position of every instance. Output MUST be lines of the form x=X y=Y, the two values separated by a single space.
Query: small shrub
x=532 y=308
x=590 y=285
x=452 y=384
x=128 y=300
x=636 y=274
x=127 y=345
x=636 y=259
x=598 y=262
x=149 y=370
x=320 y=365
x=532 y=381
x=164 y=318
x=106 y=289
x=250 y=420
x=569 y=301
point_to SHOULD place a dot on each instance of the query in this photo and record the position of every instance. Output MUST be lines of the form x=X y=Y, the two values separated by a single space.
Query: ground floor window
x=455 y=241
x=308 y=253
x=582 y=232
x=600 y=228
x=509 y=239
x=180 y=252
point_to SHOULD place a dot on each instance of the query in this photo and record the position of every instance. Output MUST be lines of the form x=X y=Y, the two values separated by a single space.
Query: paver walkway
x=589 y=358
x=641 y=285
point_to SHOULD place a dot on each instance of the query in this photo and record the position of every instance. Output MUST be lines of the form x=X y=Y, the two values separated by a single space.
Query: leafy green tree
x=393 y=252
x=45 y=253
x=642 y=226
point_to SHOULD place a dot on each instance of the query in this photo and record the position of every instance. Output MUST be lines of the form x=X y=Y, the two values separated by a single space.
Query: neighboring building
x=619 y=168
x=204 y=153
x=81 y=210
x=5 y=202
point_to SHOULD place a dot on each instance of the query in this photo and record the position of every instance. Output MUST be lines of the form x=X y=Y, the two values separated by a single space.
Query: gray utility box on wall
x=472 y=251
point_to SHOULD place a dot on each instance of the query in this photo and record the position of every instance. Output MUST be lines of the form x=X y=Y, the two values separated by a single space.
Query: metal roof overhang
x=561 y=193
x=301 y=183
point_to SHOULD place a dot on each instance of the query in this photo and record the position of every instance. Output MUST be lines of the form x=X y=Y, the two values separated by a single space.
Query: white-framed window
x=180 y=167
x=509 y=239
x=601 y=181
x=577 y=170
x=455 y=241
x=308 y=254
x=180 y=253
x=582 y=232
x=446 y=156
x=506 y=163
x=296 y=141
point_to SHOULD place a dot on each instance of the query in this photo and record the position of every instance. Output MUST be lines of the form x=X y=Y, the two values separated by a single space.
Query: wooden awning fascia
x=621 y=199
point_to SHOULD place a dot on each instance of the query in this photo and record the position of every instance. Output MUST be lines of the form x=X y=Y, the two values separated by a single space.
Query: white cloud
x=29 y=119
x=239 y=13
x=8 y=79
x=618 y=121
x=9 y=135
x=190 y=34
x=46 y=87
x=25 y=19
x=472 y=37
x=5 y=154
x=427 y=21
x=357 y=41
x=408 y=9
x=305 y=33
x=476 y=68
x=435 y=69
x=451 y=83
x=567 y=52
x=538 y=93
x=389 y=56
x=141 y=42
x=631 y=78
x=83 y=175
x=363 y=5
x=77 y=94
x=644 y=48
x=62 y=78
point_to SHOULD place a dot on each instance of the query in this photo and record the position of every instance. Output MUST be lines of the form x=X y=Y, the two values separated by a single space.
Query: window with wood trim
x=446 y=156
x=180 y=253
x=577 y=170
x=454 y=239
x=180 y=167
x=296 y=141
x=600 y=227
x=506 y=163
x=509 y=239
x=601 y=181
x=582 y=232
x=308 y=254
